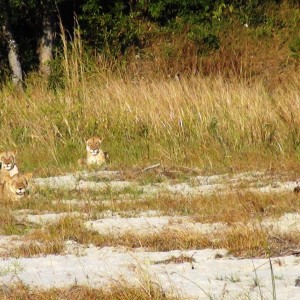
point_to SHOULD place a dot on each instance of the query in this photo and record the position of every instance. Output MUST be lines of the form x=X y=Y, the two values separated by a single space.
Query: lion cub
x=15 y=188
x=8 y=164
x=95 y=155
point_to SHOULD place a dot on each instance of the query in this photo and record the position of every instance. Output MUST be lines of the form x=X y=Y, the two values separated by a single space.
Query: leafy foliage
x=114 y=26
x=109 y=25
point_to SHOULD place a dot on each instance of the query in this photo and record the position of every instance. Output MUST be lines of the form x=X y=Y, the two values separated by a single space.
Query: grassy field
x=190 y=124
x=231 y=110
x=213 y=124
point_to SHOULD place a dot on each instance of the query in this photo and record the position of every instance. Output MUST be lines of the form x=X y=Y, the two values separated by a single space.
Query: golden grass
x=237 y=209
x=241 y=207
x=36 y=248
x=231 y=207
x=119 y=291
x=51 y=238
x=211 y=123
x=214 y=123
x=243 y=240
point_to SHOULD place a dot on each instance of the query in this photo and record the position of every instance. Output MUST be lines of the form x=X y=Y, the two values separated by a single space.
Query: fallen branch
x=151 y=167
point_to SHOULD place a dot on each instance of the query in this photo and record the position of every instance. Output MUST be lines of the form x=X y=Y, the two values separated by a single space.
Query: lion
x=8 y=164
x=95 y=155
x=16 y=187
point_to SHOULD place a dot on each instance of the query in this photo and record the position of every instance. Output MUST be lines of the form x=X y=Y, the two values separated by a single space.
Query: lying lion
x=15 y=188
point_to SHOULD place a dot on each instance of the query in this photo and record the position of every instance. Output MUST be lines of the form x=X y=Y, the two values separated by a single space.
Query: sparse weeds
x=176 y=260
x=13 y=269
x=119 y=291
x=86 y=201
x=9 y=225
x=234 y=278
x=109 y=190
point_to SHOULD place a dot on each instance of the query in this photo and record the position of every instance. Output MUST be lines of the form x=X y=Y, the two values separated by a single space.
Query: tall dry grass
x=212 y=123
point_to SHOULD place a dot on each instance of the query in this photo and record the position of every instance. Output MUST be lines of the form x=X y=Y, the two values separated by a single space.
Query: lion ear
x=101 y=139
x=15 y=152
x=28 y=176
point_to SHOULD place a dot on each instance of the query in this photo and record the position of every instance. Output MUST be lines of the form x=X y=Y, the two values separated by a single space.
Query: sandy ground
x=224 y=278
x=212 y=274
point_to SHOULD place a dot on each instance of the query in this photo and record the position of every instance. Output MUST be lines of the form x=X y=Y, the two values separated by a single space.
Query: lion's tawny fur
x=95 y=155
x=15 y=188
x=8 y=165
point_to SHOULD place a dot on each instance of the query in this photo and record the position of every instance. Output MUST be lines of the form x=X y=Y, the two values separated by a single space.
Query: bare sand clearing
x=211 y=274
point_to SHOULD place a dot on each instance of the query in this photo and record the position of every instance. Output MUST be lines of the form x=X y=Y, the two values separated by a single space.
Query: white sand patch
x=48 y=218
x=246 y=176
x=148 y=225
x=76 y=202
x=71 y=182
x=75 y=180
x=120 y=198
x=68 y=182
x=9 y=242
x=234 y=180
x=129 y=214
x=255 y=181
x=148 y=222
x=225 y=278
x=276 y=187
x=72 y=247
x=288 y=223
x=102 y=174
x=100 y=202
x=129 y=199
x=151 y=221
x=184 y=189
x=113 y=185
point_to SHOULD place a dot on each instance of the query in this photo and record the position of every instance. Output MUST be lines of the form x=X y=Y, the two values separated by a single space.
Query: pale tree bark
x=13 y=56
x=45 y=47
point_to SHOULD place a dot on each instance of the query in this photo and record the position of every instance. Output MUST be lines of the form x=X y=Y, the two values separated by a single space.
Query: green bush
x=109 y=26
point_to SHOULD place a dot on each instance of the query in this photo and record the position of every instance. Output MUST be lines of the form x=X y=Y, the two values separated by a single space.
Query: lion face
x=8 y=160
x=93 y=145
x=18 y=184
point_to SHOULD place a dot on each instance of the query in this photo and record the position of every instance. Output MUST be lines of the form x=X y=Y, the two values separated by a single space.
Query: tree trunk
x=45 y=46
x=13 y=56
